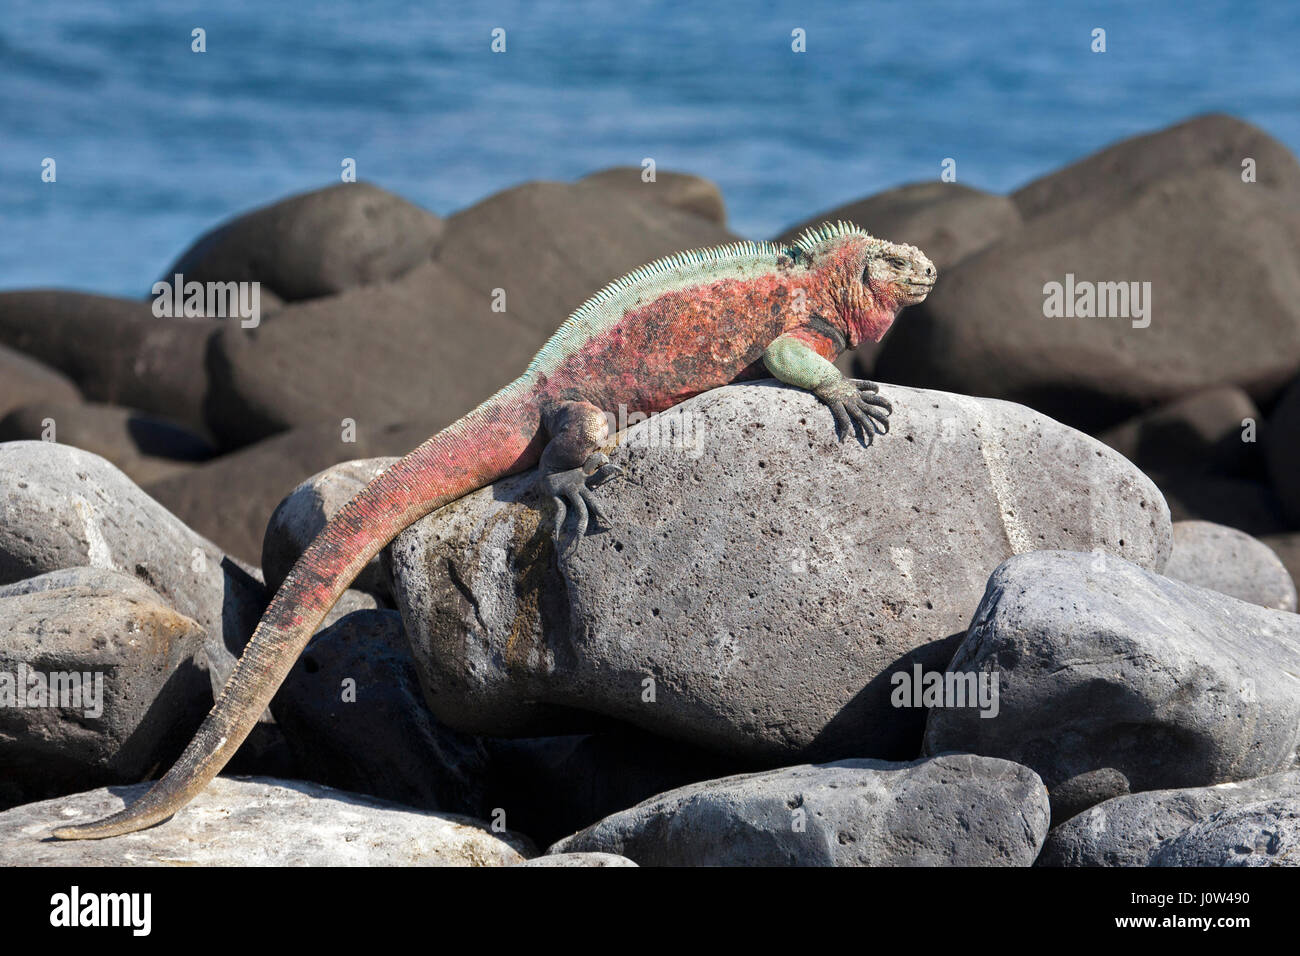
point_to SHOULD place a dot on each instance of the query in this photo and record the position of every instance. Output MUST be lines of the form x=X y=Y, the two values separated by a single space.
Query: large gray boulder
x=1231 y=562
x=1133 y=830
x=954 y=810
x=316 y=243
x=1104 y=664
x=100 y=682
x=258 y=821
x=67 y=508
x=816 y=570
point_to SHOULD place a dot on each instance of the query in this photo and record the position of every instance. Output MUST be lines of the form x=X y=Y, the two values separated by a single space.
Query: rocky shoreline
x=1086 y=526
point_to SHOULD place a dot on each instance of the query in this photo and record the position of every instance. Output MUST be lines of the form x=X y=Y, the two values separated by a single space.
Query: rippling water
x=155 y=143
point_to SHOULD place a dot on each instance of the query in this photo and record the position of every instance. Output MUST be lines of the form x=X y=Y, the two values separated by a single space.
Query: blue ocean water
x=155 y=143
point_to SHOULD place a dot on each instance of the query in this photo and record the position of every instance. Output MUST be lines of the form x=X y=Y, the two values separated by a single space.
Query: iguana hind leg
x=571 y=466
x=853 y=402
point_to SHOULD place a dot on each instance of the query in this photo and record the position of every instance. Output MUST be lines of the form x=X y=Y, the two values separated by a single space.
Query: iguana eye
x=896 y=262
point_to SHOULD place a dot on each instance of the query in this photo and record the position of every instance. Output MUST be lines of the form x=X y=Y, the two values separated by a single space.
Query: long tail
x=498 y=438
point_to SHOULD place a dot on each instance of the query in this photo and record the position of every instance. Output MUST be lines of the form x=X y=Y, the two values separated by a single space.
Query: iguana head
x=875 y=279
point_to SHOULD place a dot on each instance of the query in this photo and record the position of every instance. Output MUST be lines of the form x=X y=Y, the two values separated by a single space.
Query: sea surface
x=154 y=143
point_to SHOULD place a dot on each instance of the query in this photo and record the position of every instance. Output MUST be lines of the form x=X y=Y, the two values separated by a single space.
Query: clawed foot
x=572 y=489
x=857 y=408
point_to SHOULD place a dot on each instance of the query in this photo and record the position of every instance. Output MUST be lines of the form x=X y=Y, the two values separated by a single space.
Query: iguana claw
x=572 y=489
x=857 y=409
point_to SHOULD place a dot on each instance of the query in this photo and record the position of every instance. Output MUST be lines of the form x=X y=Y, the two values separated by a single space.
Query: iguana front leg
x=570 y=465
x=793 y=360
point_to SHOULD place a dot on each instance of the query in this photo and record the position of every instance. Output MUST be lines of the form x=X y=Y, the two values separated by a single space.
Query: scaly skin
x=662 y=334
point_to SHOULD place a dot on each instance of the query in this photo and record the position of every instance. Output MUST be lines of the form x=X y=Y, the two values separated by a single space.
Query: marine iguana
x=665 y=332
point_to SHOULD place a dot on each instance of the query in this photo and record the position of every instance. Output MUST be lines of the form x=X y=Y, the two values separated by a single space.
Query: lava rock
x=1208 y=244
x=1282 y=450
x=818 y=571
x=424 y=347
x=69 y=508
x=25 y=381
x=948 y=221
x=1230 y=562
x=520 y=241
x=355 y=718
x=258 y=821
x=1204 y=433
x=315 y=244
x=146 y=447
x=100 y=681
x=953 y=810
x=1133 y=830
x=1249 y=506
x=1103 y=664
x=683 y=191
x=115 y=350
x=231 y=499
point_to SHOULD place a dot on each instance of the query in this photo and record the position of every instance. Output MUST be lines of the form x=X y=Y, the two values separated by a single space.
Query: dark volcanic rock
x=146 y=447
x=522 y=240
x=953 y=810
x=25 y=381
x=1134 y=830
x=316 y=243
x=100 y=681
x=550 y=787
x=795 y=542
x=1249 y=506
x=1213 y=142
x=423 y=347
x=947 y=221
x=116 y=350
x=1203 y=433
x=1282 y=449
x=230 y=499
x=683 y=191
x=1209 y=245
x=355 y=718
